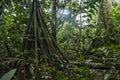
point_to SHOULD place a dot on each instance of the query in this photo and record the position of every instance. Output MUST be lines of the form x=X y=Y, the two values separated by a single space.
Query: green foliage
x=8 y=75
x=83 y=73
x=13 y=24
x=74 y=37
x=116 y=14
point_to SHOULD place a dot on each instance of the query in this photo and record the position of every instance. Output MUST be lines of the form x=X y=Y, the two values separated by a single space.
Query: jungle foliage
x=59 y=40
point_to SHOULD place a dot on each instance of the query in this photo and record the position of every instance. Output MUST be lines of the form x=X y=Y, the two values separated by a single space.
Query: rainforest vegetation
x=59 y=40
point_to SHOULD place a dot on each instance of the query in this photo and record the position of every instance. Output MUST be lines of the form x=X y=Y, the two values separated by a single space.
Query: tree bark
x=54 y=18
x=97 y=65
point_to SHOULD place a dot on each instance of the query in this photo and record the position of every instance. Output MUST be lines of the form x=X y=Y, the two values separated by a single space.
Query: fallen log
x=98 y=65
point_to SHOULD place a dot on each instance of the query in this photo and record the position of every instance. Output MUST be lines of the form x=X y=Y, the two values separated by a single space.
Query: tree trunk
x=54 y=19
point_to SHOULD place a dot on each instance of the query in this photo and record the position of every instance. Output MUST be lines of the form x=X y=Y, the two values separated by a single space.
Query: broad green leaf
x=8 y=75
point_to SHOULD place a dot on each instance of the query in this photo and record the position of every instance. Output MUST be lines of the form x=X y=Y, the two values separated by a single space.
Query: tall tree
x=54 y=18
x=38 y=41
x=105 y=9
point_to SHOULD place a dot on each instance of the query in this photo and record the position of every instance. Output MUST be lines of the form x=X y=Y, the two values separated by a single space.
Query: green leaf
x=89 y=15
x=8 y=75
x=92 y=11
x=107 y=76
